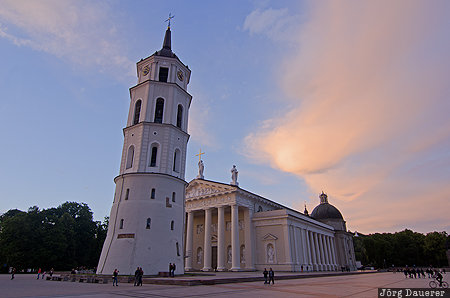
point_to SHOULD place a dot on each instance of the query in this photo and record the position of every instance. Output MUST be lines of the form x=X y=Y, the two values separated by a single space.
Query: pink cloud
x=369 y=86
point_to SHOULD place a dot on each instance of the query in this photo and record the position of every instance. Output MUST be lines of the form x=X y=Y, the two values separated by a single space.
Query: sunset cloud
x=81 y=32
x=369 y=124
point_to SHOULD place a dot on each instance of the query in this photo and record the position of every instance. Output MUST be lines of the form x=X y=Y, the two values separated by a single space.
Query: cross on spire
x=168 y=20
x=200 y=153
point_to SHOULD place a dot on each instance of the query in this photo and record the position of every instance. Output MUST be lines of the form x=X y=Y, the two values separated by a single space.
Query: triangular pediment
x=270 y=237
x=200 y=188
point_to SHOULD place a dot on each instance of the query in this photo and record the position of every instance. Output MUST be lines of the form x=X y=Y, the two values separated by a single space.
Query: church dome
x=325 y=210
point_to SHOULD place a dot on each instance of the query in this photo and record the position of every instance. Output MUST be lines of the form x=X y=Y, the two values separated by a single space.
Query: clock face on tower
x=180 y=75
x=146 y=70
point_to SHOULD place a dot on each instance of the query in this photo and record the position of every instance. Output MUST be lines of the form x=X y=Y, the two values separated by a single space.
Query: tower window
x=159 y=110
x=176 y=162
x=168 y=205
x=173 y=197
x=149 y=221
x=180 y=116
x=137 y=112
x=171 y=225
x=178 y=249
x=152 y=196
x=127 y=194
x=121 y=224
x=153 y=157
x=130 y=157
x=163 y=74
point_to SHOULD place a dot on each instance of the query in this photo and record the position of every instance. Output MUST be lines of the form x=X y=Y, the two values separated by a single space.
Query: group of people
x=172 y=268
x=43 y=273
x=268 y=276
x=138 y=276
x=417 y=273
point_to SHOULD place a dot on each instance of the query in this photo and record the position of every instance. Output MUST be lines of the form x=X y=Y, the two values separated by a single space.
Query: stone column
x=330 y=257
x=189 y=241
x=207 y=243
x=249 y=242
x=325 y=252
x=235 y=254
x=333 y=248
x=305 y=245
x=221 y=238
x=316 y=245
x=307 y=251
x=287 y=246
x=313 y=251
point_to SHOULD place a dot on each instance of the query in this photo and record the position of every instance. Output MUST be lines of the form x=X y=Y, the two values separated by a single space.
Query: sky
x=347 y=97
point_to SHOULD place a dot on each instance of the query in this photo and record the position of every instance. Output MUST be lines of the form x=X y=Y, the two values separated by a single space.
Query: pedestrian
x=173 y=269
x=51 y=272
x=301 y=267
x=265 y=275
x=13 y=271
x=170 y=269
x=136 y=276
x=271 y=276
x=115 y=274
x=39 y=273
x=141 y=273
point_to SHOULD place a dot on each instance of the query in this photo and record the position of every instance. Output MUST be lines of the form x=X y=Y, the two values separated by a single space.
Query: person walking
x=136 y=276
x=115 y=274
x=170 y=269
x=141 y=273
x=13 y=271
x=173 y=269
x=271 y=276
x=265 y=275
x=39 y=273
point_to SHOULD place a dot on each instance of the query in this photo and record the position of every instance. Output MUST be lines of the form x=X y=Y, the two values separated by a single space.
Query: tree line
x=62 y=238
x=400 y=249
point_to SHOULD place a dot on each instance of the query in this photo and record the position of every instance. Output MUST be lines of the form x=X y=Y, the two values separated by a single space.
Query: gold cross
x=200 y=155
x=168 y=20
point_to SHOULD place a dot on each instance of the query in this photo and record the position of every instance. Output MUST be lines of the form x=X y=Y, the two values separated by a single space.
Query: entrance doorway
x=214 y=257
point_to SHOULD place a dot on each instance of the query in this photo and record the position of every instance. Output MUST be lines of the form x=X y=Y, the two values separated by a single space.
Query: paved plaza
x=360 y=285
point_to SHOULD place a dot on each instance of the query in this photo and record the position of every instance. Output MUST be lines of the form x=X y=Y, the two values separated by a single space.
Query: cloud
x=79 y=31
x=272 y=22
x=369 y=87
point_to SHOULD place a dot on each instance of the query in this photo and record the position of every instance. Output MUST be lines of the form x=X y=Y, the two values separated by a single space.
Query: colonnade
x=318 y=250
x=235 y=242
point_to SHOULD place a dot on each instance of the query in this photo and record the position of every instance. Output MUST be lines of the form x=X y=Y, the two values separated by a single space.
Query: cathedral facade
x=231 y=229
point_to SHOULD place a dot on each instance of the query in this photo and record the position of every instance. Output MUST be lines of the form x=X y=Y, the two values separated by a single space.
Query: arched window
x=137 y=111
x=178 y=249
x=121 y=224
x=154 y=156
x=180 y=116
x=127 y=194
x=130 y=157
x=159 y=110
x=149 y=222
x=176 y=161
x=260 y=209
x=153 y=194
x=171 y=225
x=173 y=196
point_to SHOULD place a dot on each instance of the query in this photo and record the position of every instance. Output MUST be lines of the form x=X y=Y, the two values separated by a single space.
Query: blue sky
x=274 y=84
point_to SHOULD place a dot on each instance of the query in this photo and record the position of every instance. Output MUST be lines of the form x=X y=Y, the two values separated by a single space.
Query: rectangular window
x=127 y=194
x=152 y=196
x=149 y=221
x=121 y=224
x=163 y=74
x=168 y=205
x=173 y=197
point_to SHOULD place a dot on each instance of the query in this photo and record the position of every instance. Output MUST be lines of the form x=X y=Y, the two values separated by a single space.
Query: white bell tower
x=146 y=223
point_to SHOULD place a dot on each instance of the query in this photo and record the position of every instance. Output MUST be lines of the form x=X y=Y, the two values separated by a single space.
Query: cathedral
x=231 y=229
x=158 y=218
